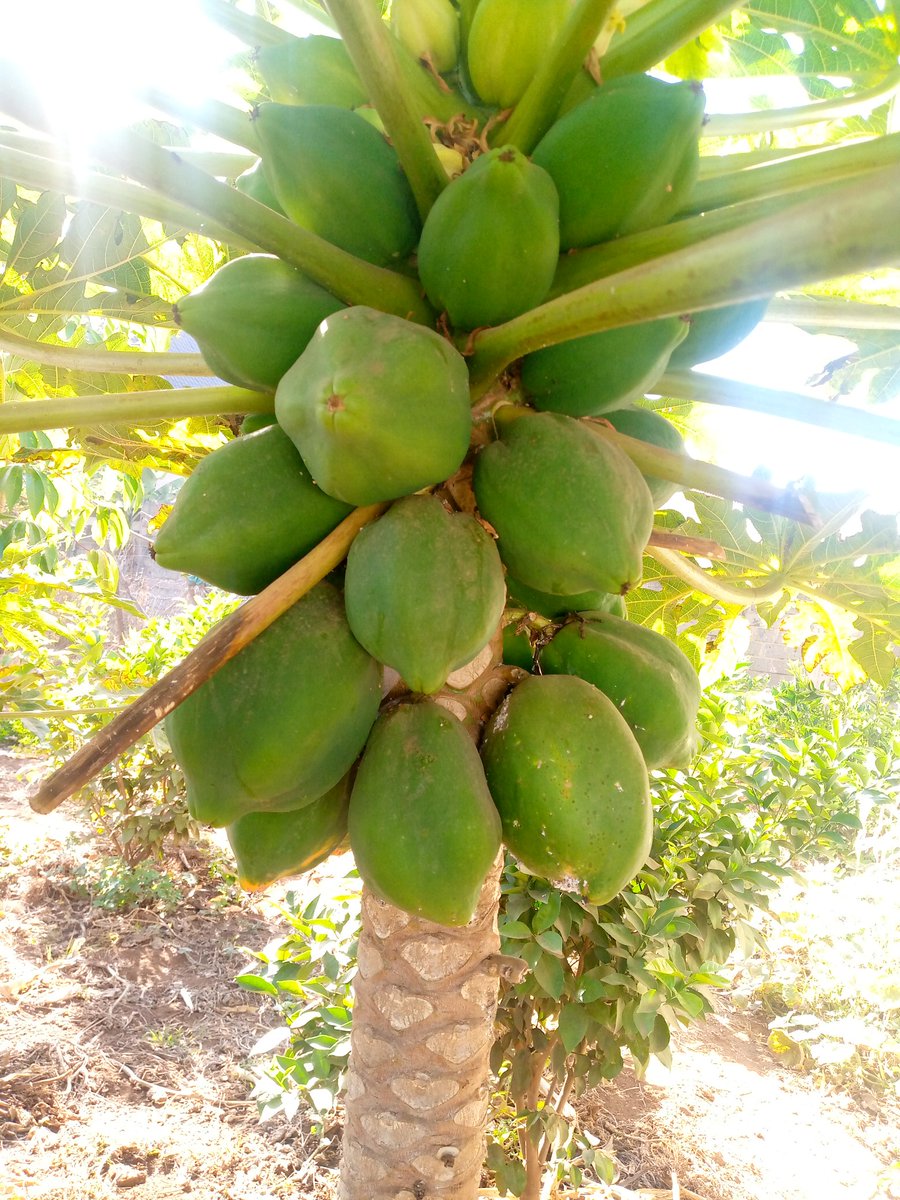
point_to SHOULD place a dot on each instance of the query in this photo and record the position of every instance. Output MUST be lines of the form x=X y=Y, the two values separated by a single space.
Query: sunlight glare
x=89 y=61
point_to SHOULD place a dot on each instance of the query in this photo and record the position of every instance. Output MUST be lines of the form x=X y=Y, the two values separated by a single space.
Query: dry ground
x=123 y=1043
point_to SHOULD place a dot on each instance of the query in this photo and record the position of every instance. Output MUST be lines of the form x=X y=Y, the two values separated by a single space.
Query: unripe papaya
x=428 y=29
x=253 y=422
x=335 y=175
x=253 y=183
x=424 y=590
x=312 y=70
x=283 y=720
x=572 y=512
x=377 y=406
x=490 y=243
x=650 y=681
x=423 y=828
x=715 y=331
x=248 y=511
x=548 y=605
x=649 y=426
x=508 y=40
x=253 y=318
x=624 y=159
x=587 y=376
x=571 y=787
x=517 y=648
x=275 y=845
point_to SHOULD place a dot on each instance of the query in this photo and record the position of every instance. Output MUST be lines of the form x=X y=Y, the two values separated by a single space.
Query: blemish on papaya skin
x=335 y=403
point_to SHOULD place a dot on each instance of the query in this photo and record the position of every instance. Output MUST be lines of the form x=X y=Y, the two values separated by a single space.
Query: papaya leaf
x=107 y=245
x=38 y=230
x=811 y=38
x=8 y=194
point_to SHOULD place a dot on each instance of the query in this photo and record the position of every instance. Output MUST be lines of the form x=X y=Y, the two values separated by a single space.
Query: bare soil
x=124 y=1044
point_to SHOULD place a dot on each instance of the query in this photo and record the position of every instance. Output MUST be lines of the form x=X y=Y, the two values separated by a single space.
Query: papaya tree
x=437 y=262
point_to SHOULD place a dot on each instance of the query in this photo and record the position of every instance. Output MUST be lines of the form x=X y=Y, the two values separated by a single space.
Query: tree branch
x=222 y=643
x=658 y=29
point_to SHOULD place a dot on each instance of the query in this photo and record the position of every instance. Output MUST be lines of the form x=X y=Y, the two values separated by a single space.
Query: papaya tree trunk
x=418 y=1085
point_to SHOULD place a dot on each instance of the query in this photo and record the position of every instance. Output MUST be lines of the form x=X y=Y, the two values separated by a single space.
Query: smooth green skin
x=548 y=605
x=517 y=648
x=569 y=781
x=490 y=244
x=572 y=512
x=423 y=828
x=253 y=318
x=334 y=174
x=428 y=29
x=253 y=183
x=650 y=427
x=378 y=407
x=269 y=846
x=424 y=590
x=715 y=331
x=253 y=422
x=282 y=720
x=247 y=512
x=591 y=375
x=624 y=159
x=653 y=685
x=312 y=70
x=508 y=40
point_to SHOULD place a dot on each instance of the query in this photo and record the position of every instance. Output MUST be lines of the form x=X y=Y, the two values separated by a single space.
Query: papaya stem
x=231 y=124
x=115 y=362
x=708 y=477
x=808 y=170
x=249 y=29
x=741 y=124
x=597 y=262
x=117 y=408
x=740 y=160
x=794 y=406
x=222 y=643
x=373 y=51
x=833 y=314
x=853 y=228
x=537 y=109
x=711 y=585
x=684 y=544
x=658 y=29
x=46 y=174
x=347 y=277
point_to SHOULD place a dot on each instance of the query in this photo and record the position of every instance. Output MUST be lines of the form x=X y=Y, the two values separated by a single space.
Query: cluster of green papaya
x=534 y=524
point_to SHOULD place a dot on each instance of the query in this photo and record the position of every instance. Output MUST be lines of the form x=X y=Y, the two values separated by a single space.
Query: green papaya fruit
x=649 y=426
x=589 y=375
x=572 y=512
x=490 y=243
x=253 y=422
x=334 y=174
x=312 y=70
x=517 y=648
x=548 y=605
x=624 y=159
x=247 y=512
x=715 y=331
x=377 y=406
x=283 y=720
x=429 y=29
x=275 y=845
x=650 y=681
x=571 y=787
x=423 y=828
x=253 y=318
x=253 y=183
x=424 y=590
x=508 y=40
